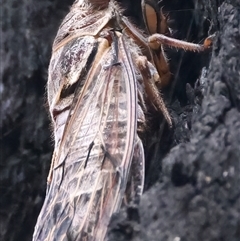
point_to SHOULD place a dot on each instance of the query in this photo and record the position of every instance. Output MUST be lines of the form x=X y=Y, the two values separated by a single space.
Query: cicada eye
x=150 y=16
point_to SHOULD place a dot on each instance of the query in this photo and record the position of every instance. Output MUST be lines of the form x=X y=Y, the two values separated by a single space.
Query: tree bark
x=192 y=171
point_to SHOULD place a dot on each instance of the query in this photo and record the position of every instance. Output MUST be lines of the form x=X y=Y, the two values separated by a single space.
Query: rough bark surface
x=193 y=171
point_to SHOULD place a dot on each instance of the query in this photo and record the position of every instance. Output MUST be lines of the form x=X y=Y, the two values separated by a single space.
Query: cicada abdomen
x=102 y=71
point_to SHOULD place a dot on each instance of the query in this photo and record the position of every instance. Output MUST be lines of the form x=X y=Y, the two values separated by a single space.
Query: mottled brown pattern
x=98 y=83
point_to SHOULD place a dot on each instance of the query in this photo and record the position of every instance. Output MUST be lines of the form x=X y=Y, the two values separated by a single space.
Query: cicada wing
x=95 y=154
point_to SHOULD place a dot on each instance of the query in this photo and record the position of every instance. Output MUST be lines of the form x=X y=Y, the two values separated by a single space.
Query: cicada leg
x=156 y=40
x=150 y=77
x=157 y=28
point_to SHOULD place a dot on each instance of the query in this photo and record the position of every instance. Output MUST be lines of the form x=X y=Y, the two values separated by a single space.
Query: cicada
x=102 y=79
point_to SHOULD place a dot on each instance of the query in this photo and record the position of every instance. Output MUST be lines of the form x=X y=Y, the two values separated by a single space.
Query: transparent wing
x=95 y=151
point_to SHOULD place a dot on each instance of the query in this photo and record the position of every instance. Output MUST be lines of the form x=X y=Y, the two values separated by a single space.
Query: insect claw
x=208 y=41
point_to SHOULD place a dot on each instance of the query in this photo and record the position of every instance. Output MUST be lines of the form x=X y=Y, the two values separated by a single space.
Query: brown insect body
x=98 y=81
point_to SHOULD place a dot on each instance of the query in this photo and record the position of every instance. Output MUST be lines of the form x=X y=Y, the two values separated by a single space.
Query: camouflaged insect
x=102 y=72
